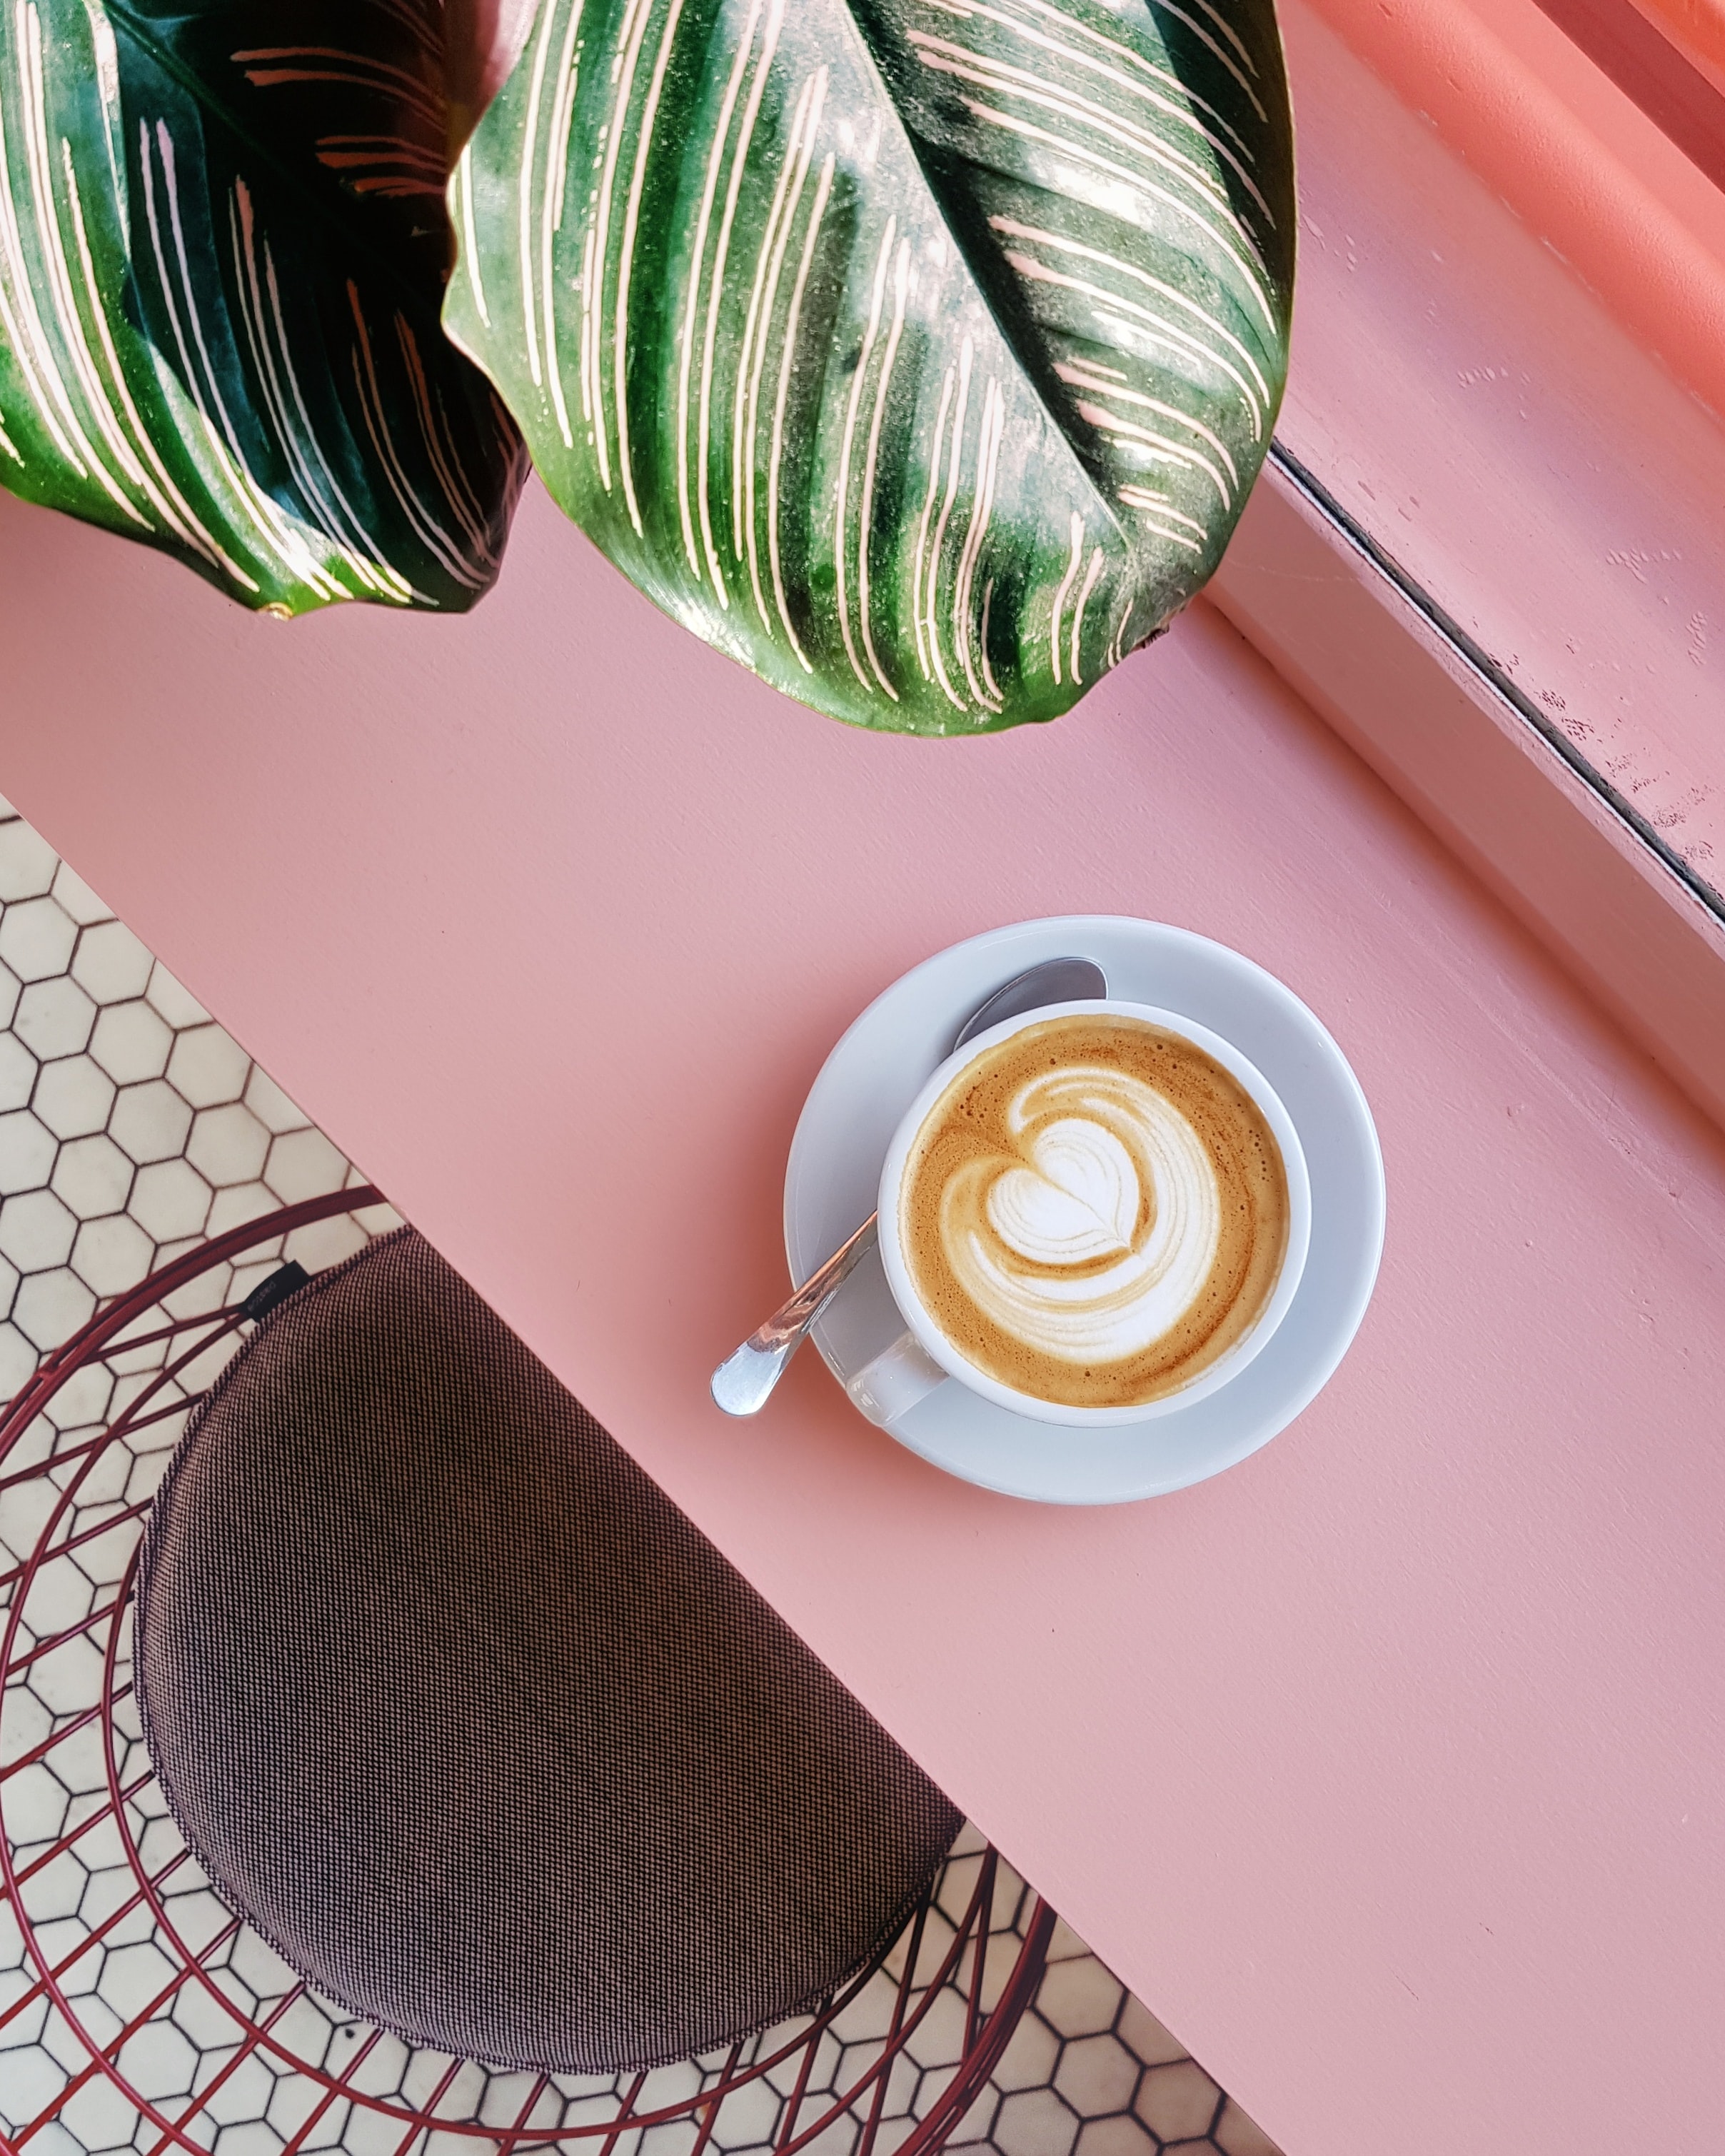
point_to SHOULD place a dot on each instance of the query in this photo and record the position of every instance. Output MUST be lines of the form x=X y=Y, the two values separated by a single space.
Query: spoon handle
x=743 y=1382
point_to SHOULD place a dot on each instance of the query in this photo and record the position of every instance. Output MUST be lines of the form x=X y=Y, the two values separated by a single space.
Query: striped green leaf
x=920 y=354
x=223 y=246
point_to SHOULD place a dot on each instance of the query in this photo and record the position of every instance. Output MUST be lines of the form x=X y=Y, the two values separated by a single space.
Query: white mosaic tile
x=131 y=1042
x=50 y=1305
x=36 y=1230
x=133 y=1127
x=54 y=1018
x=37 y=938
x=303 y=1164
x=151 y=1121
x=208 y=1066
x=17 y=1072
x=112 y=1253
x=178 y=1005
x=110 y=961
x=270 y=1105
x=74 y=1097
x=27 y=862
x=93 y=1176
x=171 y=1200
x=27 y=1148
x=76 y=898
x=228 y=1145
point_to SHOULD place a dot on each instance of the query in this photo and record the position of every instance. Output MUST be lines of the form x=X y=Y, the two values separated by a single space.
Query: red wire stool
x=136 y=2011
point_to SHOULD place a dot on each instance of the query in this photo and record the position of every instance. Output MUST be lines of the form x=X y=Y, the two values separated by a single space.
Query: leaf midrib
x=937 y=194
x=326 y=198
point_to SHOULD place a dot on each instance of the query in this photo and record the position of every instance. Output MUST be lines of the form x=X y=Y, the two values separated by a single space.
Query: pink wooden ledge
x=1387 y=1767
x=1554 y=137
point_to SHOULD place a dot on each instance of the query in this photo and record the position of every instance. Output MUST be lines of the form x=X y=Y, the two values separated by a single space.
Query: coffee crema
x=1094 y=1211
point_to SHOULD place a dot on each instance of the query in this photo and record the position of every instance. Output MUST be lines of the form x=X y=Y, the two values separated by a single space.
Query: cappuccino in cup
x=1094 y=1213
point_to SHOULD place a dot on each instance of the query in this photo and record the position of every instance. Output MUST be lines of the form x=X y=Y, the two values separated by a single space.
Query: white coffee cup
x=922 y=1356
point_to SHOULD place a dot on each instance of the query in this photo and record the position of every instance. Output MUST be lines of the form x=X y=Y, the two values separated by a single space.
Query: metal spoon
x=744 y=1381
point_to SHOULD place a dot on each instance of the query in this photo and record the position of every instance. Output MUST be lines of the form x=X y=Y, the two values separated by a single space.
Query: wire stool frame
x=94 y=1878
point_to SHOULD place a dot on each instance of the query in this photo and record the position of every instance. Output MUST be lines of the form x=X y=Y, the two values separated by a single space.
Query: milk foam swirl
x=1097 y=1233
x=1095 y=1211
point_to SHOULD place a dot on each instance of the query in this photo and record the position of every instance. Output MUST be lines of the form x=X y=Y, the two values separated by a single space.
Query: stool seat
x=462 y=1714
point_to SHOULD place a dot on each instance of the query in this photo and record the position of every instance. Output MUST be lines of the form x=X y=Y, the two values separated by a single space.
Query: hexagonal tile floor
x=133 y=1128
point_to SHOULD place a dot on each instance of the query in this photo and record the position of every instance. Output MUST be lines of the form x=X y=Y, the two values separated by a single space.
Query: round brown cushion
x=463 y=1715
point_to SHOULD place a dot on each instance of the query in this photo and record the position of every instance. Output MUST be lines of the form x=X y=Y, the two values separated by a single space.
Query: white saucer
x=876 y=1070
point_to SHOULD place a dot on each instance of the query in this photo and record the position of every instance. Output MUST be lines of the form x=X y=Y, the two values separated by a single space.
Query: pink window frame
x=1318 y=588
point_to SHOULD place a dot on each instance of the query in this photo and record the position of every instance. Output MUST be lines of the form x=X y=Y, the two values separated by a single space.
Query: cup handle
x=898 y=1377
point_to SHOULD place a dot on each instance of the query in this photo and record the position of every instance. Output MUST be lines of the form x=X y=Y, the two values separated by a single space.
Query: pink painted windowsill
x=1473 y=387
x=1385 y=1767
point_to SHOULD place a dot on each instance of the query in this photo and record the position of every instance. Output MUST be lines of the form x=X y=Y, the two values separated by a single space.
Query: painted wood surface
x=1386 y=1767
x=1494 y=788
x=1654 y=51
x=1502 y=431
x=1553 y=136
x=1695 y=27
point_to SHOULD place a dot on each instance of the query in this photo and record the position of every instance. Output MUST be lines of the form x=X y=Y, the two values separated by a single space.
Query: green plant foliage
x=920 y=354
x=223 y=246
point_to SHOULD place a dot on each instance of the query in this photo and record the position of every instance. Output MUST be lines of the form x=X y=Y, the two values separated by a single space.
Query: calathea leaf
x=918 y=353
x=223 y=244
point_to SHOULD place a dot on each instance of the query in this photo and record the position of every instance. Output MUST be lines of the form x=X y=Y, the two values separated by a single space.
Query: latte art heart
x=1094 y=1211
x=1103 y=1239
x=1078 y=1198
